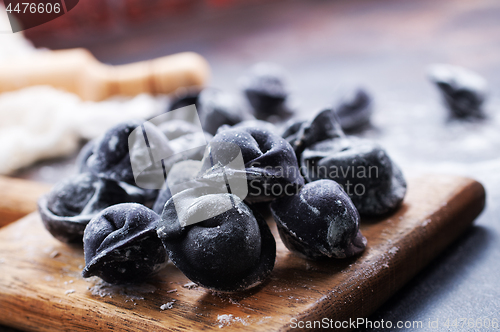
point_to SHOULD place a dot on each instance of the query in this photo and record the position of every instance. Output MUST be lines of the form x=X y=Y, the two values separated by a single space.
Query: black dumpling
x=270 y=163
x=319 y=222
x=121 y=245
x=354 y=108
x=302 y=134
x=111 y=157
x=266 y=90
x=70 y=205
x=184 y=97
x=463 y=90
x=365 y=171
x=291 y=130
x=231 y=251
x=81 y=160
x=217 y=108
x=149 y=195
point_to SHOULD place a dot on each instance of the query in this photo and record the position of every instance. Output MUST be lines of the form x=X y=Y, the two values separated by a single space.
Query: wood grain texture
x=41 y=287
x=18 y=198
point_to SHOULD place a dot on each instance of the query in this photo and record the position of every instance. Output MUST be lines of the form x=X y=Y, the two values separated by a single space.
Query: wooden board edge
x=453 y=220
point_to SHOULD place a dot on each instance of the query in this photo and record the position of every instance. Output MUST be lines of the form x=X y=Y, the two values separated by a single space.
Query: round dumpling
x=269 y=161
x=70 y=205
x=217 y=108
x=266 y=89
x=303 y=134
x=111 y=157
x=365 y=171
x=354 y=108
x=216 y=240
x=463 y=90
x=319 y=222
x=121 y=245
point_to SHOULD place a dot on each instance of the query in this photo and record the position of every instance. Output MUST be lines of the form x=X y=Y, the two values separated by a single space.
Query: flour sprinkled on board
x=227 y=320
x=130 y=292
x=168 y=305
x=190 y=285
x=393 y=250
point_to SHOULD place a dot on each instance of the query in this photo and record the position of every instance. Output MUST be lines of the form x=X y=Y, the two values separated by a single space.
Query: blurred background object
x=78 y=72
x=463 y=91
x=96 y=19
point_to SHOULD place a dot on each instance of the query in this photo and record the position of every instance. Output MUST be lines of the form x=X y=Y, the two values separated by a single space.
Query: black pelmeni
x=69 y=206
x=216 y=240
x=319 y=222
x=121 y=245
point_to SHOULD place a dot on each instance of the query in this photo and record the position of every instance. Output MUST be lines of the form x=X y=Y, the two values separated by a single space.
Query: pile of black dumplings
x=210 y=231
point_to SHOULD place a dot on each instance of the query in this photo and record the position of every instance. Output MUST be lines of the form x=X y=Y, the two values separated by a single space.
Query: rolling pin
x=18 y=198
x=77 y=71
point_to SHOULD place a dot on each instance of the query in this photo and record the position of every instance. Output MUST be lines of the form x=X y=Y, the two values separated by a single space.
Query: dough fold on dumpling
x=121 y=245
x=319 y=222
x=372 y=180
x=70 y=205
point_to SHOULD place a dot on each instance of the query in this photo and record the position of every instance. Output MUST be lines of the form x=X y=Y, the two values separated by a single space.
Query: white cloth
x=42 y=122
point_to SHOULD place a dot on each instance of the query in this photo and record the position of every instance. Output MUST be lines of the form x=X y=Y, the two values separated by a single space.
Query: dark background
x=385 y=45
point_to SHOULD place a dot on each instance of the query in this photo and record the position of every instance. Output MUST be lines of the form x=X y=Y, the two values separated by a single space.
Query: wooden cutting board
x=41 y=287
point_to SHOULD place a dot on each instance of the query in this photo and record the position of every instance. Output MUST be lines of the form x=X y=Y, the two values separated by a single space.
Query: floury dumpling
x=69 y=206
x=319 y=222
x=354 y=108
x=364 y=169
x=269 y=161
x=121 y=245
x=125 y=144
x=216 y=240
x=141 y=154
x=463 y=90
x=371 y=179
x=267 y=91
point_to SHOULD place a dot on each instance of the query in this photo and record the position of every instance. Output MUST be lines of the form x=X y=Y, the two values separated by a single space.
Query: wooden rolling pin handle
x=162 y=75
x=18 y=198
x=77 y=71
